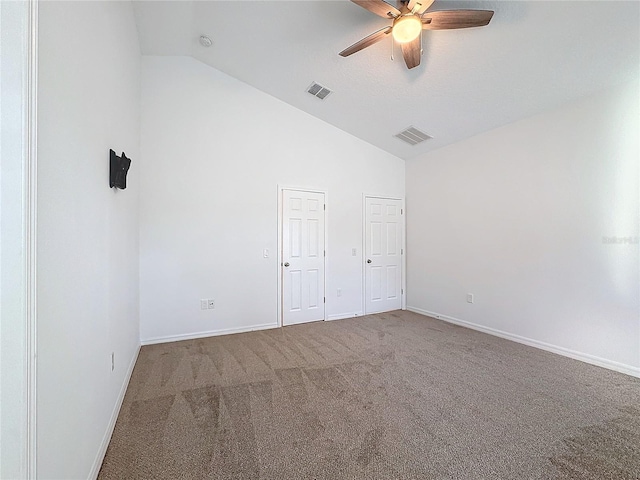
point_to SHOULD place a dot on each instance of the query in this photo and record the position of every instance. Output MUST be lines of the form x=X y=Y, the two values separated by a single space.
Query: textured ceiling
x=533 y=56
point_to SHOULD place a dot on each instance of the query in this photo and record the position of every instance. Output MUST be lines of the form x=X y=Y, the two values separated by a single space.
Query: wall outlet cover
x=212 y=304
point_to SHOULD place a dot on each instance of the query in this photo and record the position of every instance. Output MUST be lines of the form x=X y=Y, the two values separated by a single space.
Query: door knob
x=286 y=264
x=368 y=260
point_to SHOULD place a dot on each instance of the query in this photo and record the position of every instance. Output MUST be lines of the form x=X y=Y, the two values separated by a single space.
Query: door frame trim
x=281 y=188
x=403 y=262
x=22 y=205
x=31 y=215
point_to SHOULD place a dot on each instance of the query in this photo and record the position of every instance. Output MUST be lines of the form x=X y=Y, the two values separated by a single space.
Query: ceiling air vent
x=412 y=136
x=318 y=90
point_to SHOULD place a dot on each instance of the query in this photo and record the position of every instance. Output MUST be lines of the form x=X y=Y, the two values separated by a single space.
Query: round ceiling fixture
x=205 y=41
x=406 y=28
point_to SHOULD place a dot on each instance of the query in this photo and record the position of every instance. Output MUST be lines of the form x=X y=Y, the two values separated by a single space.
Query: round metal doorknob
x=286 y=264
x=368 y=260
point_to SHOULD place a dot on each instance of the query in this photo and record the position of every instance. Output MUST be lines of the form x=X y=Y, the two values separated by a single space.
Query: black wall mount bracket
x=118 y=168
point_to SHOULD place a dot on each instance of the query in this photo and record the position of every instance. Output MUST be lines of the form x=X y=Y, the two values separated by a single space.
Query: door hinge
x=324 y=207
x=325 y=253
x=402 y=251
x=401 y=211
x=324 y=299
x=402 y=291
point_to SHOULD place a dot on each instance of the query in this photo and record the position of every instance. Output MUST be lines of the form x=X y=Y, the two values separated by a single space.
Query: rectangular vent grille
x=412 y=136
x=318 y=90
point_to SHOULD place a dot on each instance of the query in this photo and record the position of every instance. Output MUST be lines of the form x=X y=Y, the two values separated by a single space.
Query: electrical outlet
x=339 y=292
x=113 y=361
x=469 y=297
x=353 y=252
x=211 y=304
x=204 y=304
x=265 y=253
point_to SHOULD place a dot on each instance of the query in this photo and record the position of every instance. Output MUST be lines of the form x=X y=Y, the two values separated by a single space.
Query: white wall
x=14 y=38
x=88 y=304
x=517 y=217
x=214 y=151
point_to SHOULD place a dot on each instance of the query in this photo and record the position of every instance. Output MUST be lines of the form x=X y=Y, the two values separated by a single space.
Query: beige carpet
x=388 y=396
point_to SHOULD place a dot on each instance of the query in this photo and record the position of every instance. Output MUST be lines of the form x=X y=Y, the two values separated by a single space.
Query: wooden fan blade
x=366 y=42
x=449 y=19
x=411 y=52
x=424 y=5
x=378 y=7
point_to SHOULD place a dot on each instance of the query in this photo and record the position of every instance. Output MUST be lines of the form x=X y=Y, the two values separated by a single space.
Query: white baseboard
x=584 y=357
x=112 y=422
x=210 y=333
x=341 y=316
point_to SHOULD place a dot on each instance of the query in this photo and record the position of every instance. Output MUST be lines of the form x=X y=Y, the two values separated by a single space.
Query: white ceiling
x=533 y=56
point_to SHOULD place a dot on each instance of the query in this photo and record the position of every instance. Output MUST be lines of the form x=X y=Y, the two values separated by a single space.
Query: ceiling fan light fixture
x=406 y=28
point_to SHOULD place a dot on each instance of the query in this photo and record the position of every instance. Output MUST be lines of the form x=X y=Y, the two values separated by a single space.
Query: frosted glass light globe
x=406 y=28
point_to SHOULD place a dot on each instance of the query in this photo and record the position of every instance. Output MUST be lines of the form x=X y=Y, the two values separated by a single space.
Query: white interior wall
x=88 y=302
x=521 y=217
x=215 y=151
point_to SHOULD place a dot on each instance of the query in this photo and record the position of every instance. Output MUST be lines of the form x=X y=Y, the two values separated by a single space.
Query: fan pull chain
x=392 y=47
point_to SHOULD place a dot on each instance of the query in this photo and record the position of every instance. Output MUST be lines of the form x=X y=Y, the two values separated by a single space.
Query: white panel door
x=302 y=257
x=383 y=254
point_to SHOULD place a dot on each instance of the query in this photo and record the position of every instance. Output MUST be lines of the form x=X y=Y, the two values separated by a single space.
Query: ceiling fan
x=409 y=19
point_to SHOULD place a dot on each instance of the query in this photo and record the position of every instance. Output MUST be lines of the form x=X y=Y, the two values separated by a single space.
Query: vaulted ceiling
x=533 y=56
